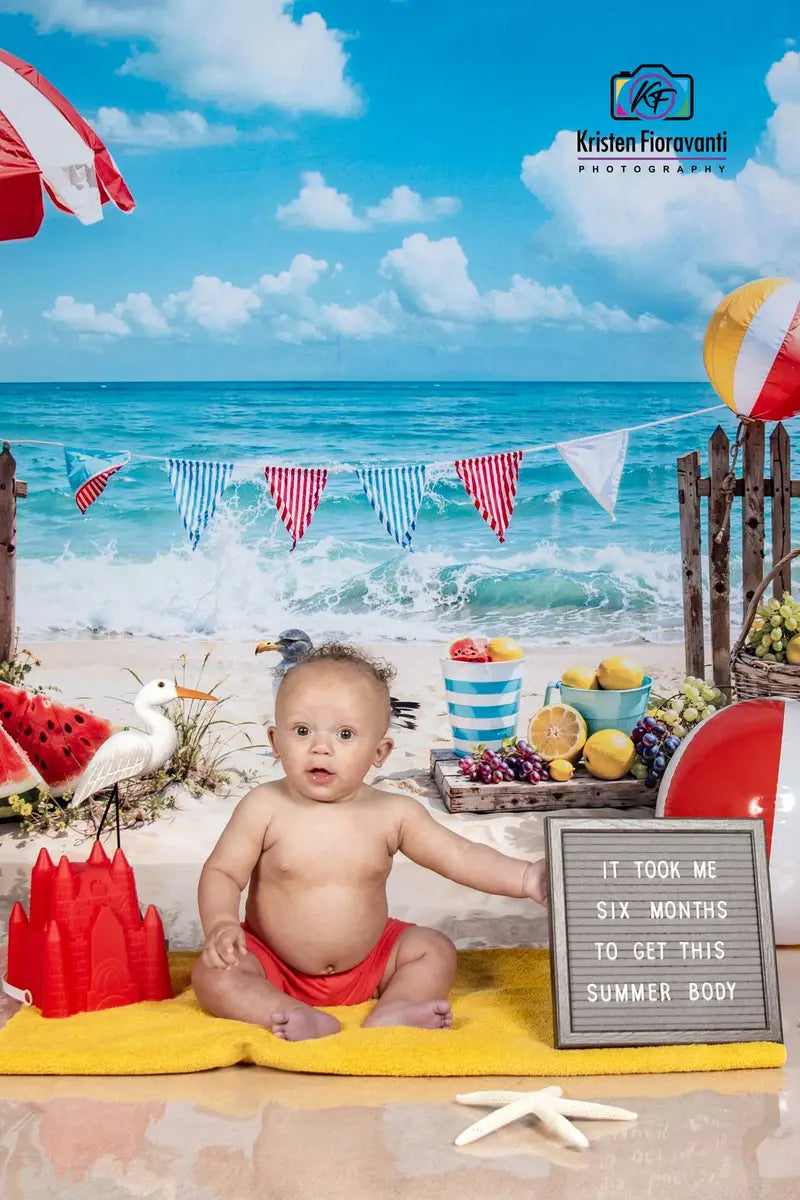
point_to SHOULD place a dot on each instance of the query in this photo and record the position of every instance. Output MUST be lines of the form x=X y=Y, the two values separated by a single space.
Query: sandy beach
x=168 y=853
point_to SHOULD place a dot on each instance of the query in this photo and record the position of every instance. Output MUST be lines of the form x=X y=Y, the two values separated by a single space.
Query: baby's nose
x=321 y=744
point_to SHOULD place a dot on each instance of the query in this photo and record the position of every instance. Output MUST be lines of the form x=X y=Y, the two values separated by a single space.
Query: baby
x=316 y=848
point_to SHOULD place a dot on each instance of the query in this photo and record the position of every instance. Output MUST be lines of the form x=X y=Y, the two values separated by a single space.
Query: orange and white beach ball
x=744 y=761
x=751 y=350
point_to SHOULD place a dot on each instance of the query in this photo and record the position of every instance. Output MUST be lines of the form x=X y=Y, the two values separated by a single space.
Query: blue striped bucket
x=482 y=701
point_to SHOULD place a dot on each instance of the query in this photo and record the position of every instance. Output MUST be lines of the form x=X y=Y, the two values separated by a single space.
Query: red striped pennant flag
x=296 y=492
x=491 y=482
x=89 y=471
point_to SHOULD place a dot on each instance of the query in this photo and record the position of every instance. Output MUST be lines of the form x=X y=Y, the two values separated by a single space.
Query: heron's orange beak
x=262 y=647
x=190 y=694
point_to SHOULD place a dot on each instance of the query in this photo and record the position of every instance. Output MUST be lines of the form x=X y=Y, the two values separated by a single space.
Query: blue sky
x=369 y=189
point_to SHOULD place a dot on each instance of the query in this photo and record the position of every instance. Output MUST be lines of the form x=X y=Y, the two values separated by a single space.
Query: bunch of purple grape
x=655 y=746
x=516 y=760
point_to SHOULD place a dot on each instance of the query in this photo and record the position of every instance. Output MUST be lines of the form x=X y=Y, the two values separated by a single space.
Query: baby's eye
x=346 y=734
x=301 y=730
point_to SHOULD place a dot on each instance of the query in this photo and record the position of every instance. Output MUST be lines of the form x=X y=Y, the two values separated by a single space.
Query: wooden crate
x=582 y=791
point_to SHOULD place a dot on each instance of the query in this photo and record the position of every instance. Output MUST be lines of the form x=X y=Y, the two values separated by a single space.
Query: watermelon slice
x=470 y=650
x=59 y=740
x=17 y=773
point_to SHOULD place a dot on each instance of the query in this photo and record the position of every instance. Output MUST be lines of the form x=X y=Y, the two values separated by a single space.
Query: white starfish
x=547 y=1104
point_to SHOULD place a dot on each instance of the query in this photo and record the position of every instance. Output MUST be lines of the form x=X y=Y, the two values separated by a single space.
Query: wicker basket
x=751 y=677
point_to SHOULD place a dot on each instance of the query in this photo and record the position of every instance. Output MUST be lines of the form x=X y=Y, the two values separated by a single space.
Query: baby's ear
x=384 y=749
x=271 y=735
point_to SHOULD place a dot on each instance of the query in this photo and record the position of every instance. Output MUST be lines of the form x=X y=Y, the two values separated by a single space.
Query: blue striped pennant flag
x=197 y=486
x=395 y=493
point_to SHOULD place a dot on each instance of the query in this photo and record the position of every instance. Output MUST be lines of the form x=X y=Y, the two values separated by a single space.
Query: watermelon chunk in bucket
x=17 y=773
x=59 y=740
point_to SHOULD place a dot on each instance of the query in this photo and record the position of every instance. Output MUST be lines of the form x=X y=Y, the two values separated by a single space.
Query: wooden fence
x=753 y=487
x=11 y=490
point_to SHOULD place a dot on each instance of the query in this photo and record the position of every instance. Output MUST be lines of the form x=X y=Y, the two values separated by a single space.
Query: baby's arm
x=225 y=876
x=430 y=844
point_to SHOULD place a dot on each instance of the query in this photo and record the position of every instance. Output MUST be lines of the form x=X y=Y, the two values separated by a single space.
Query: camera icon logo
x=652 y=93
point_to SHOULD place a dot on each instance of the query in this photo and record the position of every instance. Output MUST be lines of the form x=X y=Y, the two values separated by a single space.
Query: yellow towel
x=502 y=1026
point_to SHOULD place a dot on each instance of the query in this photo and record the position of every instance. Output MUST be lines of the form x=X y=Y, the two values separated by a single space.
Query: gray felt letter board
x=661 y=932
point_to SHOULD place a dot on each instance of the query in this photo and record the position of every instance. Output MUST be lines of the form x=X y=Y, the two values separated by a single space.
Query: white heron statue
x=130 y=752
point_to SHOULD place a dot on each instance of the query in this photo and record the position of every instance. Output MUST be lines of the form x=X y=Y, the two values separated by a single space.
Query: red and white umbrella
x=44 y=142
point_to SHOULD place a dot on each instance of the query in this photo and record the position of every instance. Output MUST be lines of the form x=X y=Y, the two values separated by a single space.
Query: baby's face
x=330 y=726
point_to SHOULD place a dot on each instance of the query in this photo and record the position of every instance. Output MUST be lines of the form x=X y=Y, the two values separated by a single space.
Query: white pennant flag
x=598 y=463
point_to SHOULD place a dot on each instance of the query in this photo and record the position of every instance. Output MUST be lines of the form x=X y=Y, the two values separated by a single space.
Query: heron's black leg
x=114 y=797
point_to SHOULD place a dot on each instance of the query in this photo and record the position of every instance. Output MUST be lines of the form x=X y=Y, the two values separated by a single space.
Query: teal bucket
x=603 y=709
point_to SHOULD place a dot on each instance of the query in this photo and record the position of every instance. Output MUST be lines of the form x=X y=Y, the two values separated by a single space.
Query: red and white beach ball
x=744 y=761
x=751 y=350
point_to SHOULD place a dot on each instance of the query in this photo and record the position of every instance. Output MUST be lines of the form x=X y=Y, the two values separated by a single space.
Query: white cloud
x=361 y=322
x=697 y=235
x=217 y=306
x=319 y=206
x=240 y=54
x=404 y=206
x=85 y=319
x=303 y=273
x=783 y=79
x=169 y=130
x=140 y=312
x=432 y=278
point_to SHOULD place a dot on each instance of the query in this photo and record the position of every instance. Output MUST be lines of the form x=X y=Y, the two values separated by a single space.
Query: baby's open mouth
x=320 y=774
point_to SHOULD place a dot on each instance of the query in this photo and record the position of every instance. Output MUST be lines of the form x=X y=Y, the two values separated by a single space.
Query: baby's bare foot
x=430 y=1014
x=299 y=1024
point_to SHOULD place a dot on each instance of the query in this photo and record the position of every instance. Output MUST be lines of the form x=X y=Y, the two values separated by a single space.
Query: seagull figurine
x=293 y=644
x=130 y=752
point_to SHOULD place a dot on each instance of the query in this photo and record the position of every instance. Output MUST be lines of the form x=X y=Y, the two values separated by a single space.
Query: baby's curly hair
x=378 y=670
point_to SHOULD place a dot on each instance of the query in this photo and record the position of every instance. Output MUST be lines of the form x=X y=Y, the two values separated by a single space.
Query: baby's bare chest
x=326 y=853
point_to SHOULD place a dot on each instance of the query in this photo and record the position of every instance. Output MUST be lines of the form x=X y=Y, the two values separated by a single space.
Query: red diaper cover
x=327 y=991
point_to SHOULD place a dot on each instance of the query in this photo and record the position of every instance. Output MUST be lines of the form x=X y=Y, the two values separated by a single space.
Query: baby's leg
x=416 y=982
x=242 y=993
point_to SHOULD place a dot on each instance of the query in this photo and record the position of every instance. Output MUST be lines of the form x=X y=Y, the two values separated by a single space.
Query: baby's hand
x=224 y=945
x=534 y=882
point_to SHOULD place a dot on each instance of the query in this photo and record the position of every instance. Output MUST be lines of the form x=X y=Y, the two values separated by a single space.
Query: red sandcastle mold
x=86 y=945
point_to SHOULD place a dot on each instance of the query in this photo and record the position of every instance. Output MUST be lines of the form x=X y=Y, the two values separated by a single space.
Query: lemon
x=793 y=651
x=580 y=677
x=561 y=770
x=609 y=754
x=557 y=731
x=504 y=649
x=619 y=674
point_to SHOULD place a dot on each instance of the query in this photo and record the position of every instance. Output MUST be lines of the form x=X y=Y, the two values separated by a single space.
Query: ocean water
x=565 y=573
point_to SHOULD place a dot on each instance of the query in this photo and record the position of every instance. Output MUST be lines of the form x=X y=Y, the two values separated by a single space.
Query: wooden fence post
x=689 y=507
x=8 y=552
x=719 y=557
x=781 y=507
x=752 y=513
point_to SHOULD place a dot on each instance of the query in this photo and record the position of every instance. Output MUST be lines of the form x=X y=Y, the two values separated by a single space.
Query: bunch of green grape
x=774 y=627
x=692 y=703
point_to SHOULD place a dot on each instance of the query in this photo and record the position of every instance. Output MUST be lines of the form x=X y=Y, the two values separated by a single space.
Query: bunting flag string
x=395 y=494
x=197 y=487
x=491 y=482
x=88 y=472
x=296 y=492
x=598 y=462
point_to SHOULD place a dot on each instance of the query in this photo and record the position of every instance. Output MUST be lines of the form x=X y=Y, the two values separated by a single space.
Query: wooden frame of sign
x=661 y=932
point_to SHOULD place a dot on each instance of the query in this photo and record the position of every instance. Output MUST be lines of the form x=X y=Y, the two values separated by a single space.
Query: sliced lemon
x=557 y=731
